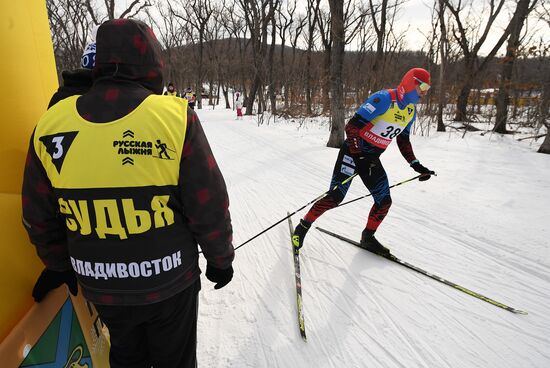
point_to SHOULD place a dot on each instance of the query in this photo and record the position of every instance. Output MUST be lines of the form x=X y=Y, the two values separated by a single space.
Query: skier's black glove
x=421 y=169
x=218 y=276
x=49 y=280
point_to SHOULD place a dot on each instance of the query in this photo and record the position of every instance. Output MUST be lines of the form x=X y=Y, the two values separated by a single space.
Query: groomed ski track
x=483 y=222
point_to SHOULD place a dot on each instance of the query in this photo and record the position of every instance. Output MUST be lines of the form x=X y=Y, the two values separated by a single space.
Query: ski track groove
x=494 y=255
x=395 y=326
x=509 y=265
x=372 y=318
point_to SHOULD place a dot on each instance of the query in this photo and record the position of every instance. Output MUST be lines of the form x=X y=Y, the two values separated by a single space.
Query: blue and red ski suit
x=385 y=115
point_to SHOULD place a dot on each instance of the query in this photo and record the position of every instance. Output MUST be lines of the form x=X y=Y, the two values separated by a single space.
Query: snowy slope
x=483 y=222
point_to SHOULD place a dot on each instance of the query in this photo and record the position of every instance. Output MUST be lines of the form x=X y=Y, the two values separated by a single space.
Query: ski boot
x=299 y=234
x=370 y=243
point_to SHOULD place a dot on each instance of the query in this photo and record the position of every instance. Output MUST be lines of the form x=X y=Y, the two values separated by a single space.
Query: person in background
x=385 y=115
x=239 y=105
x=77 y=81
x=191 y=97
x=171 y=90
x=120 y=185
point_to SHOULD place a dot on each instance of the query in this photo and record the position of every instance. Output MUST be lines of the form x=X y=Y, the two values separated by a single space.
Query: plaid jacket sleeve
x=41 y=216
x=205 y=198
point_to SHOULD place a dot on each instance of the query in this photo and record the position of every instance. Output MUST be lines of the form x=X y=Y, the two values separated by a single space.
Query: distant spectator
x=77 y=81
x=239 y=105
x=191 y=97
x=170 y=90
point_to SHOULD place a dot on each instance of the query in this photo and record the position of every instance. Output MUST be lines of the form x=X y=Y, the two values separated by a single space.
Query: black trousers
x=159 y=335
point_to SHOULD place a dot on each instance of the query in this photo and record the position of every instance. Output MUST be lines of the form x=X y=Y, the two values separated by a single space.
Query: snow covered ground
x=483 y=223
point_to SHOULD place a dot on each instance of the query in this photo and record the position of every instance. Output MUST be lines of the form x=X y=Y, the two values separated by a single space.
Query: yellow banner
x=28 y=331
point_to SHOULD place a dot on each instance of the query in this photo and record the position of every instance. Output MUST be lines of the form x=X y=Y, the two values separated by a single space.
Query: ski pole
x=298 y=210
x=368 y=195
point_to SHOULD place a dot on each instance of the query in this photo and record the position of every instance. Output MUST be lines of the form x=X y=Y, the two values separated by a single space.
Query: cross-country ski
x=298 y=279
x=399 y=261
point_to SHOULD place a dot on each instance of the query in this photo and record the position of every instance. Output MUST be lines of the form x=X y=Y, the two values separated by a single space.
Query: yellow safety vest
x=116 y=184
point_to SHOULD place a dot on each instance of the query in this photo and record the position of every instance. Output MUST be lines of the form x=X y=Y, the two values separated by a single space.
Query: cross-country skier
x=385 y=115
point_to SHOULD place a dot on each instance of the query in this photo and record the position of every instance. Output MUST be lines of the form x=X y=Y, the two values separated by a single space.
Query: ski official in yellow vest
x=120 y=187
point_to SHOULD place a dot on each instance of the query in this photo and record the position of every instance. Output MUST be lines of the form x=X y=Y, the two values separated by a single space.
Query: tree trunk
x=503 y=97
x=380 y=29
x=225 y=92
x=544 y=105
x=291 y=81
x=543 y=115
x=545 y=147
x=309 y=110
x=443 y=54
x=252 y=96
x=198 y=87
x=271 y=88
x=462 y=102
x=327 y=85
x=502 y=101
x=313 y=12
x=284 y=87
x=337 y=62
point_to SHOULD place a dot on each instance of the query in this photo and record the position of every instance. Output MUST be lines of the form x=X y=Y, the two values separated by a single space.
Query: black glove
x=419 y=168
x=49 y=280
x=219 y=276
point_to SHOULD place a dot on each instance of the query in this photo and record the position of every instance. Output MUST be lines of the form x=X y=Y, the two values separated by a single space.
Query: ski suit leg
x=343 y=169
x=374 y=177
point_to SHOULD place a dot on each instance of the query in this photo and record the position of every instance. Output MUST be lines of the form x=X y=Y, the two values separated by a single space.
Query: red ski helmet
x=406 y=90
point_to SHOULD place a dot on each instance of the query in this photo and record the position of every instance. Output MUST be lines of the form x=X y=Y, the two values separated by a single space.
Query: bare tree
x=226 y=59
x=168 y=30
x=544 y=106
x=523 y=8
x=379 y=25
x=543 y=112
x=285 y=19
x=198 y=14
x=337 y=62
x=312 y=14
x=366 y=40
x=324 y=22
x=258 y=15
x=383 y=14
x=70 y=25
x=270 y=62
x=235 y=25
x=295 y=32
x=135 y=8
x=443 y=54
x=462 y=33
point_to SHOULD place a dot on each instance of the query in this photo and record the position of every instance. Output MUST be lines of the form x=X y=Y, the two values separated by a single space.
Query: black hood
x=128 y=50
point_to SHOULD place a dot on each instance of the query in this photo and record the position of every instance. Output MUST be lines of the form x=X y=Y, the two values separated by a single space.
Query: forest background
x=489 y=59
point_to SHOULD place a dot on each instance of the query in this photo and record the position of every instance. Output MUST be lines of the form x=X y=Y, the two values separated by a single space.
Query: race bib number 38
x=386 y=127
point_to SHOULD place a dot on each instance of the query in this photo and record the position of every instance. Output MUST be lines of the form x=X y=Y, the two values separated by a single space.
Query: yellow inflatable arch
x=32 y=334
